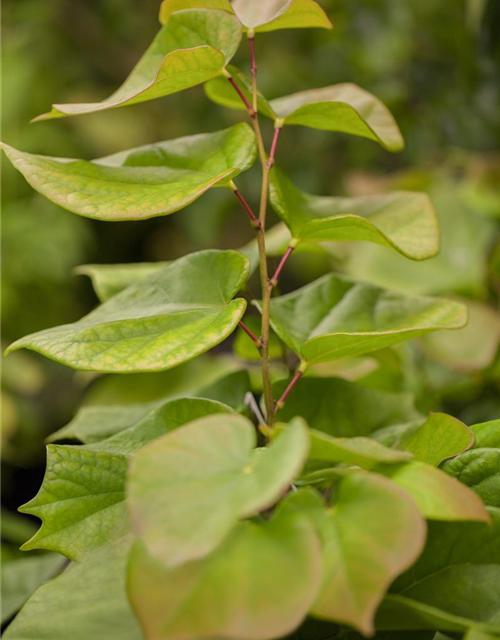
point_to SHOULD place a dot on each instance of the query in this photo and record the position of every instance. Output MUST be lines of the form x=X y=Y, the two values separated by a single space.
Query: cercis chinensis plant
x=216 y=515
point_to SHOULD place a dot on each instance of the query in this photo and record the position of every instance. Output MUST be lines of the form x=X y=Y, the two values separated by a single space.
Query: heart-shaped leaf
x=157 y=423
x=22 y=576
x=110 y=279
x=168 y=318
x=168 y=7
x=454 y=584
x=81 y=502
x=80 y=603
x=188 y=489
x=260 y=584
x=371 y=535
x=437 y=495
x=194 y=46
x=141 y=183
x=335 y=317
x=271 y=15
x=345 y=409
x=363 y=452
x=341 y=107
x=82 y=499
x=439 y=438
x=405 y=221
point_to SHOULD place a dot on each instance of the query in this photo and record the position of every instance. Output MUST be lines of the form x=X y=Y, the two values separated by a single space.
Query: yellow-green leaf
x=336 y=317
x=141 y=183
x=172 y=316
x=342 y=107
x=193 y=47
x=271 y=15
x=168 y=7
x=403 y=220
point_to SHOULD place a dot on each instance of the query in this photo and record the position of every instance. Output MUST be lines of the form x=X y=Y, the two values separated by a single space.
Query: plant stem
x=283 y=261
x=250 y=109
x=277 y=131
x=251 y=41
x=288 y=390
x=253 y=218
x=251 y=335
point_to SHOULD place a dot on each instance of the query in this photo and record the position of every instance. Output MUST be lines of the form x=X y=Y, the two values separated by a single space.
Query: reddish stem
x=251 y=214
x=289 y=389
x=283 y=261
x=274 y=145
x=249 y=107
x=251 y=334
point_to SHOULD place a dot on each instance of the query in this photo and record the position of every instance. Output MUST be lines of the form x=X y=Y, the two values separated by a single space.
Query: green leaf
x=141 y=183
x=439 y=438
x=454 y=584
x=110 y=279
x=220 y=91
x=168 y=7
x=403 y=220
x=22 y=576
x=80 y=603
x=474 y=634
x=344 y=409
x=487 y=434
x=342 y=107
x=259 y=584
x=335 y=317
x=270 y=15
x=193 y=47
x=82 y=498
x=371 y=535
x=363 y=452
x=479 y=469
x=437 y=495
x=168 y=318
x=167 y=417
x=81 y=501
x=474 y=347
x=188 y=489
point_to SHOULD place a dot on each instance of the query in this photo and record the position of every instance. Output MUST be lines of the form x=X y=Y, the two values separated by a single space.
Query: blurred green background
x=435 y=63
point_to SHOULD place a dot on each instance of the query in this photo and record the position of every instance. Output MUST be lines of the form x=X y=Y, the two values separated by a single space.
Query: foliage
x=190 y=510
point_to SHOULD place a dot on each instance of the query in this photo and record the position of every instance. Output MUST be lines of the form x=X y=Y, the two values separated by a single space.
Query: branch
x=251 y=335
x=253 y=218
x=277 y=130
x=274 y=280
x=288 y=390
x=251 y=111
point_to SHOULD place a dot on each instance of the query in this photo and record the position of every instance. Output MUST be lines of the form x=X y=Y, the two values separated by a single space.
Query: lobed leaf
x=271 y=15
x=404 y=221
x=342 y=107
x=439 y=438
x=141 y=183
x=454 y=584
x=345 y=409
x=193 y=47
x=437 y=495
x=81 y=602
x=335 y=317
x=188 y=489
x=168 y=318
x=258 y=584
x=81 y=502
